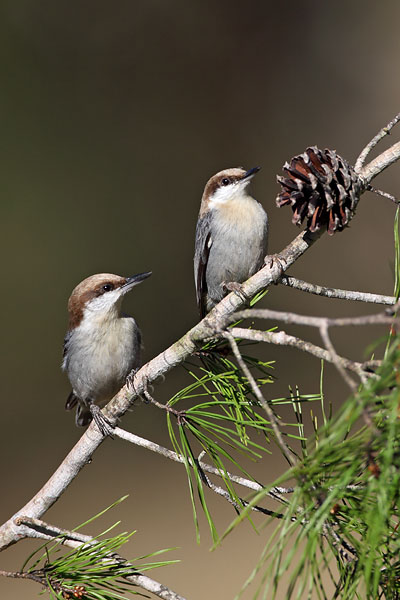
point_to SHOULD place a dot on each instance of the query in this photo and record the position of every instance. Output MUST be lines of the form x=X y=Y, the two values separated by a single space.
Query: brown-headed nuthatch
x=231 y=236
x=102 y=345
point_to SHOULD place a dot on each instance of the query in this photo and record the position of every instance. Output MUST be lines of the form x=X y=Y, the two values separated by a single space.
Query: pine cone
x=321 y=187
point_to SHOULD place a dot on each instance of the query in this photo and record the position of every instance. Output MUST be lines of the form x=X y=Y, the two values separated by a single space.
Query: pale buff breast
x=246 y=215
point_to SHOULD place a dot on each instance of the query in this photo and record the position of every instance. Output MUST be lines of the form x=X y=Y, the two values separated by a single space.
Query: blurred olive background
x=113 y=117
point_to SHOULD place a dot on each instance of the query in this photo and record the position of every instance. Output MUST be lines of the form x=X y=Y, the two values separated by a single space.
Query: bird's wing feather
x=72 y=400
x=202 y=251
x=66 y=340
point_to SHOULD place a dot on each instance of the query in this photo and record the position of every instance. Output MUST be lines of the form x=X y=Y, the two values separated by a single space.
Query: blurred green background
x=113 y=117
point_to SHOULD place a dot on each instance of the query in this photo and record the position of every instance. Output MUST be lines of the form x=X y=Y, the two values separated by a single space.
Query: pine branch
x=77 y=541
x=386 y=317
x=283 y=339
x=329 y=292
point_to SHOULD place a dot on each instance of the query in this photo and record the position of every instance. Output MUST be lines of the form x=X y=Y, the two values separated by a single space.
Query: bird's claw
x=130 y=383
x=146 y=396
x=234 y=286
x=275 y=259
x=130 y=378
x=105 y=426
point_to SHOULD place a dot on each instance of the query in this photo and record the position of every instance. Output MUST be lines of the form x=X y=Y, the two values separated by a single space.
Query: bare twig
x=179 y=414
x=382 y=318
x=43 y=530
x=283 y=339
x=341 y=545
x=383 y=194
x=377 y=138
x=338 y=362
x=253 y=485
x=336 y=359
x=243 y=503
x=138 y=441
x=329 y=292
x=41 y=580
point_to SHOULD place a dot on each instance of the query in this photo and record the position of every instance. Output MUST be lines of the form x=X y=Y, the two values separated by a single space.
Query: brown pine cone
x=322 y=188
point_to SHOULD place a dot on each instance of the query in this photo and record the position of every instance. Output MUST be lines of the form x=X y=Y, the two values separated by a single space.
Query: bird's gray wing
x=72 y=400
x=65 y=347
x=201 y=254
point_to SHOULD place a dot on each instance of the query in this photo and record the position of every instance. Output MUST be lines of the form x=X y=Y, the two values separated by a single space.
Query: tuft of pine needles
x=92 y=571
x=224 y=420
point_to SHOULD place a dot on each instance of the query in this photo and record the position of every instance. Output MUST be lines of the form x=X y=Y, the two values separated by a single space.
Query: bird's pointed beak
x=250 y=173
x=134 y=280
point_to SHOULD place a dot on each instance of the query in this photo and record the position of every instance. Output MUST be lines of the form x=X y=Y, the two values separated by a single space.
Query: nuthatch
x=231 y=237
x=102 y=345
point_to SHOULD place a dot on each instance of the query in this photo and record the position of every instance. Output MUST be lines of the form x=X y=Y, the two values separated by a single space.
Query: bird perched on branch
x=102 y=345
x=231 y=237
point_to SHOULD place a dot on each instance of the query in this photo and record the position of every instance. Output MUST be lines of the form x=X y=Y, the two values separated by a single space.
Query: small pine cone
x=321 y=187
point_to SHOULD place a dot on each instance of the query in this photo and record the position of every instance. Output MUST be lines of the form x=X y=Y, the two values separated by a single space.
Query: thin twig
x=338 y=543
x=281 y=338
x=21 y=575
x=253 y=485
x=336 y=359
x=377 y=138
x=243 y=503
x=178 y=413
x=342 y=541
x=45 y=531
x=290 y=318
x=383 y=194
x=380 y=163
x=256 y=390
x=329 y=292
x=338 y=362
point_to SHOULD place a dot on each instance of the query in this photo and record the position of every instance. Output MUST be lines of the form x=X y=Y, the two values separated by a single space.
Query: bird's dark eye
x=107 y=287
x=225 y=181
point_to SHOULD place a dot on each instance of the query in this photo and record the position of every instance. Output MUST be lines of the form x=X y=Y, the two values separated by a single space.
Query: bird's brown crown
x=91 y=287
x=221 y=179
